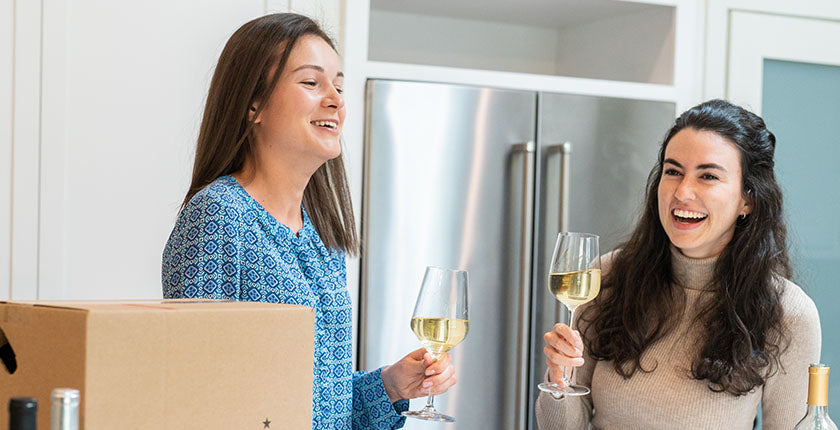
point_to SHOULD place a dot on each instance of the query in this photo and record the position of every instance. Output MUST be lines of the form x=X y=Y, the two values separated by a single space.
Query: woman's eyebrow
x=316 y=67
x=711 y=166
x=700 y=167
x=672 y=161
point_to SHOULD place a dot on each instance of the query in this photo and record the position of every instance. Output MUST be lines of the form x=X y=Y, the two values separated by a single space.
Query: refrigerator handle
x=522 y=345
x=563 y=212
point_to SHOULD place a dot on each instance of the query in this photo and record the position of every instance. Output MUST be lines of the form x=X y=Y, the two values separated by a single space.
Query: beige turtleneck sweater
x=668 y=398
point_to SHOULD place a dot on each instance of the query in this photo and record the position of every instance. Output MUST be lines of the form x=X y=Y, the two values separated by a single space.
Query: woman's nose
x=333 y=98
x=685 y=190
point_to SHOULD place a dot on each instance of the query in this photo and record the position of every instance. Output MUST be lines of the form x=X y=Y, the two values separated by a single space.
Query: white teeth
x=330 y=124
x=689 y=214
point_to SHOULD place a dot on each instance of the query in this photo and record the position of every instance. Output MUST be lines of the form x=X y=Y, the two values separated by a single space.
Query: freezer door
x=443 y=186
x=613 y=146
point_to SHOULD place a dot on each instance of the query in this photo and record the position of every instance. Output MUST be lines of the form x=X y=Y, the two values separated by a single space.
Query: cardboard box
x=164 y=364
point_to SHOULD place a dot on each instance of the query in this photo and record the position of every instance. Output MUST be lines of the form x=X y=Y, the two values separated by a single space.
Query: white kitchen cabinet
x=603 y=39
x=597 y=47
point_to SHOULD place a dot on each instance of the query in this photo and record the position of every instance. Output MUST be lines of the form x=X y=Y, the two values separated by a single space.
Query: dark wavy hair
x=248 y=70
x=640 y=304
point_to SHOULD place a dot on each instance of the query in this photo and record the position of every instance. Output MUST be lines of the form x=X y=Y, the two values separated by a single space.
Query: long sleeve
x=201 y=258
x=371 y=407
x=785 y=393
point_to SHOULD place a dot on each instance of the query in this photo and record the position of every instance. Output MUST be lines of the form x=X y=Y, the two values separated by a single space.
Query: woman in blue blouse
x=268 y=215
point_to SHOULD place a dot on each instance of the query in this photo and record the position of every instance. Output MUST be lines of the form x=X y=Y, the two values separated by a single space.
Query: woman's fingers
x=438 y=366
x=554 y=357
x=563 y=345
x=439 y=383
x=563 y=348
x=439 y=379
x=571 y=336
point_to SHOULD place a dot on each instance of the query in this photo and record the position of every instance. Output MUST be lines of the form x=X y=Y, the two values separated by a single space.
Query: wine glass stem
x=430 y=401
x=567 y=372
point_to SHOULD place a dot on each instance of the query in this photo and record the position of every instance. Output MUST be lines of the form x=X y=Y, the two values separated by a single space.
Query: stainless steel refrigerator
x=483 y=179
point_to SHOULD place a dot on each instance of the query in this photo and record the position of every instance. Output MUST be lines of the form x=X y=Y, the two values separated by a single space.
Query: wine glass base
x=427 y=414
x=559 y=392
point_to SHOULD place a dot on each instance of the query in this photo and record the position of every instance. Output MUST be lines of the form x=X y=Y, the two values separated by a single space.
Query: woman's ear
x=748 y=204
x=253 y=111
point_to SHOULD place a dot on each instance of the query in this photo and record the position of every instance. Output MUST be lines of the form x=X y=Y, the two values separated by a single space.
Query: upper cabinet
x=645 y=50
x=598 y=39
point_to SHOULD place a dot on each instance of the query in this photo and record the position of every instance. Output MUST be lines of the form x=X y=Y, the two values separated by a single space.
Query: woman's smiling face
x=700 y=194
x=305 y=113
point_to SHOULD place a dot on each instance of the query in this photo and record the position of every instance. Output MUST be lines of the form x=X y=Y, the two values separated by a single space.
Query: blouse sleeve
x=201 y=257
x=371 y=407
x=783 y=400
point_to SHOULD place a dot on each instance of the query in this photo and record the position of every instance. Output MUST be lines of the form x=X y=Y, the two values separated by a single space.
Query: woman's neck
x=276 y=186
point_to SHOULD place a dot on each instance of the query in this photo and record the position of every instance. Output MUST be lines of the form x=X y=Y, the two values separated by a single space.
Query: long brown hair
x=248 y=70
x=743 y=323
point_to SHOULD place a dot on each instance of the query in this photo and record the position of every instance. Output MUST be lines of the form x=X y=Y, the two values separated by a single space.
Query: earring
x=743 y=216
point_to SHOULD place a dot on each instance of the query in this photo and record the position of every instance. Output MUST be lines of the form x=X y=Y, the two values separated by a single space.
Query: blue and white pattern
x=225 y=245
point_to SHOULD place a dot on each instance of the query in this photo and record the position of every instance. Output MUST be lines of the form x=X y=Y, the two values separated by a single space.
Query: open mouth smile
x=332 y=125
x=688 y=217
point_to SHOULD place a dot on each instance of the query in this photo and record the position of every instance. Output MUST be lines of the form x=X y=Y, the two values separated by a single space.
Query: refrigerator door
x=613 y=146
x=445 y=174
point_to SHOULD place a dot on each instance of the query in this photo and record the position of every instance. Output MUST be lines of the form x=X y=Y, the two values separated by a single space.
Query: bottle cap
x=818 y=384
x=65 y=396
x=23 y=404
x=818 y=369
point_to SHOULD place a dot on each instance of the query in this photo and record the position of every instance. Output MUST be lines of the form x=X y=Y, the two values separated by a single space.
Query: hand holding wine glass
x=440 y=321
x=574 y=279
x=413 y=375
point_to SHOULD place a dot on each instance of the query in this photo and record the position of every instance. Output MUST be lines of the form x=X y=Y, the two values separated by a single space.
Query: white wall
x=100 y=104
x=24 y=149
x=6 y=72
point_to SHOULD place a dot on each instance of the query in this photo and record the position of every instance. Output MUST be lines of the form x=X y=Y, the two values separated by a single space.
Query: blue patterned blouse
x=225 y=245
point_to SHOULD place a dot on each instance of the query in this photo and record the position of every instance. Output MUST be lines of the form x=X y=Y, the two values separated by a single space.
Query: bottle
x=65 y=409
x=23 y=413
x=817 y=416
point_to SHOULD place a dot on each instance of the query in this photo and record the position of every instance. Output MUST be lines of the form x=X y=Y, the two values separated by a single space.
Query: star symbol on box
x=266 y=423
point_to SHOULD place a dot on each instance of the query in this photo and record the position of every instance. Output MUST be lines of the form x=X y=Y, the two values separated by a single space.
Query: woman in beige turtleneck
x=697 y=321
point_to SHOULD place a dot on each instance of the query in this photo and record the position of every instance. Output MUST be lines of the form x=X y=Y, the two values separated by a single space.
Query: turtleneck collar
x=692 y=273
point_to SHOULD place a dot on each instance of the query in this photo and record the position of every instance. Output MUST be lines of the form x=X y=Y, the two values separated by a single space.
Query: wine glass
x=440 y=321
x=574 y=278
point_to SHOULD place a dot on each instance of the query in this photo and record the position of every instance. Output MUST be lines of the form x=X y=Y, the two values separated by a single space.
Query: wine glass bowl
x=574 y=279
x=440 y=321
x=439 y=335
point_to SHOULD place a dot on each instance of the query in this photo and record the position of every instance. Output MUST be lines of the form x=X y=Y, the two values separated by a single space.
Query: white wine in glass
x=440 y=321
x=439 y=335
x=574 y=278
x=575 y=288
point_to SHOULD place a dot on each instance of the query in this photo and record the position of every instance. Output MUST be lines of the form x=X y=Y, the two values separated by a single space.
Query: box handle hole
x=7 y=354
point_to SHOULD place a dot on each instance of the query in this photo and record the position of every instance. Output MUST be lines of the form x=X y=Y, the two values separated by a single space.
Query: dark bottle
x=23 y=413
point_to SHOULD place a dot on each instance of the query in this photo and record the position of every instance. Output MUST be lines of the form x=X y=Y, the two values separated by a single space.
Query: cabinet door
x=788 y=69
